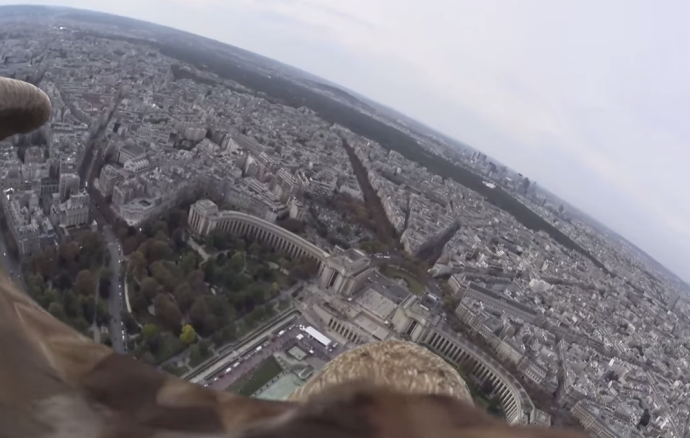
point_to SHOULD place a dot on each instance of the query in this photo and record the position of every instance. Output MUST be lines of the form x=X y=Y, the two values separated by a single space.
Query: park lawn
x=248 y=385
x=415 y=285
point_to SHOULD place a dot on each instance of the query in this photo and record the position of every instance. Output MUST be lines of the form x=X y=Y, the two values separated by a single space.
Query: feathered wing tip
x=402 y=366
x=55 y=382
x=23 y=107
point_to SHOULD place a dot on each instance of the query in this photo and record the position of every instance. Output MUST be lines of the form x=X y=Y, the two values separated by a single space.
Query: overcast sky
x=591 y=99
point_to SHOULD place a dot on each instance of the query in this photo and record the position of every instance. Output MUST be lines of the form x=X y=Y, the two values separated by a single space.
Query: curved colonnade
x=242 y=224
x=515 y=401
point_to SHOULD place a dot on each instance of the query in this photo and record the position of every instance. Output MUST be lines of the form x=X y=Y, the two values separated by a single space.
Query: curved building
x=515 y=402
x=204 y=217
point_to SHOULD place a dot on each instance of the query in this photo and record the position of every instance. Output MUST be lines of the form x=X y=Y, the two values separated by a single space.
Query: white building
x=75 y=212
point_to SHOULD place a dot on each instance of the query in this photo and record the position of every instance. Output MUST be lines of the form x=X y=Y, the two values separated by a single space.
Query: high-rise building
x=69 y=183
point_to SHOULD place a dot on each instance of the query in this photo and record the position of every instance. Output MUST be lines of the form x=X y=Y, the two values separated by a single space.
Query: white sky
x=591 y=99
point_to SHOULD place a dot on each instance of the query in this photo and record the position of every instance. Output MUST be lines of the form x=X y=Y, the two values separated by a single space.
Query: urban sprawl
x=551 y=335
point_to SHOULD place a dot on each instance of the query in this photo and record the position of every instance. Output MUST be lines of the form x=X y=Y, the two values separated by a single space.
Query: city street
x=9 y=265
x=116 y=303
x=253 y=359
x=249 y=358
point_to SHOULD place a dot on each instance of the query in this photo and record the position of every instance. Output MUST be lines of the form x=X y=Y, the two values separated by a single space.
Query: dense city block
x=235 y=223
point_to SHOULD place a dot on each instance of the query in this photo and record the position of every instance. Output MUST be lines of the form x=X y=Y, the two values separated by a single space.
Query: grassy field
x=248 y=385
x=415 y=285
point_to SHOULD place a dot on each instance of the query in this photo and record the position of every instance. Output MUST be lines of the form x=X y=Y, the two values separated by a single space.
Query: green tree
x=105 y=273
x=138 y=302
x=237 y=261
x=210 y=324
x=239 y=244
x=104 y=286
x=71 y=304
x=161 y=227
x=177 y=218
x=50 y=295
x=102 y=313
x=221 y=259
x=88 y=305
x=57 y=311
x=177 y=238
x=159 y=250
x=80 y=324
x=167 y=312
x=204 y=347
x=188 y=262
x=195 y=277
x=257 y=314
x=35 y=284
x=164 y=276
x=450 y=303
x=184 y=297
x=304 y=269
x=188 y=334
x=130 y=324
x=152 y=335
x=223 y=336
x=265 y=273
x=198 y=313
x=149 y=288
x=85 y=283
x=138 y=263
x=221 y=309
x=209 y=272
x=150 y=331
x=254 y=249
x=195 y=355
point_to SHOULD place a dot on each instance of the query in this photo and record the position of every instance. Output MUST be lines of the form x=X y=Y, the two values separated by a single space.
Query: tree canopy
x=188 y=334
x=65 y=280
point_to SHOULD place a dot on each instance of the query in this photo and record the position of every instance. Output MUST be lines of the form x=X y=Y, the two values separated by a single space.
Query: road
x=230 y=356
x=433 y=288
x=116 y=298
x=663 y=402
x=118 y=336
x=10 y=265
x=252 y=359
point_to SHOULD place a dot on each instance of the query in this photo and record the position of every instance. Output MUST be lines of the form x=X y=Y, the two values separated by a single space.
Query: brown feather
x=23 y=107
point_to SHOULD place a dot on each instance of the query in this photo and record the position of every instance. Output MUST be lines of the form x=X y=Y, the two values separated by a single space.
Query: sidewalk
x=198 y=248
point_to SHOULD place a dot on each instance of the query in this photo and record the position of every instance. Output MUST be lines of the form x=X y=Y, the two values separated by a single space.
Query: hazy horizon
x=588 y=99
